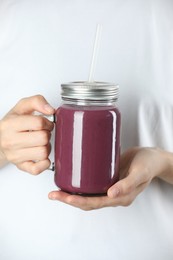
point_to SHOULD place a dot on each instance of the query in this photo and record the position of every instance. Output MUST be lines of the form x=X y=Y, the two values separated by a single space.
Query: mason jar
x=87 y=138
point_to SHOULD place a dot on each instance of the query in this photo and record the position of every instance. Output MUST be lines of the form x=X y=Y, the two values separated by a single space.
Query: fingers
x=90 y=203
x=93 y=203
x=35 y=154
x=28 y=146
x=138 y=167
x=32 y=139
x=32 y=160
x=123 y=193
x=84 y=203
x=26 y=123
x=24 y=137
x=25 y=131
x=29 y=150
x=31 y=104
x=34 y=168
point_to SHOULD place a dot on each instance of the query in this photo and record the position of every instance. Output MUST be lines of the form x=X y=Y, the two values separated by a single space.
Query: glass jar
x=87 y=138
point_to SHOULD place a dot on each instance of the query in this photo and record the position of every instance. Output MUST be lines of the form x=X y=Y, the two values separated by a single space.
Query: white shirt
x=46 y=43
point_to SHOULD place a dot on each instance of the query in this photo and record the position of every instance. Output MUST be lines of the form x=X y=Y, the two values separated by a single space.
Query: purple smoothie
x=87 y=148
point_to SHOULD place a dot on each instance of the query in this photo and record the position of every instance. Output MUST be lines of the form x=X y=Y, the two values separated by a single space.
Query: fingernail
x=48 y=108
x=114 y=193
x=52 y=196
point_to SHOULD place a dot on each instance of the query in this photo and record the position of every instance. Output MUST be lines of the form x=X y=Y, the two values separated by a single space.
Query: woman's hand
x=138 y=166
x=25 y=137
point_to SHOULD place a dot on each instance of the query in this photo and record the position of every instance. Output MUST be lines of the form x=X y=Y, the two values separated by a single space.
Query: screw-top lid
x=90 y=91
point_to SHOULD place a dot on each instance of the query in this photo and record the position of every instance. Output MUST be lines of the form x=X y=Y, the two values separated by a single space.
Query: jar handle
x=51 y=118
x=52 y=166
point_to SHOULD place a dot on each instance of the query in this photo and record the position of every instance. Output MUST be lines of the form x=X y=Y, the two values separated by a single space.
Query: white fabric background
x=44 y=43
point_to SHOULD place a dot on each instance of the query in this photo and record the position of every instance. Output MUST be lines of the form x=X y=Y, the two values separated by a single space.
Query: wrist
x=166 y=173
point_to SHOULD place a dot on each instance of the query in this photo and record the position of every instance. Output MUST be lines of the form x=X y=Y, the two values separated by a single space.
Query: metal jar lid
x=90 y=91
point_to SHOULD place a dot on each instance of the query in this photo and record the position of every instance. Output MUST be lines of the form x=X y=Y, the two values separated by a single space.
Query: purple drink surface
x=87 y=148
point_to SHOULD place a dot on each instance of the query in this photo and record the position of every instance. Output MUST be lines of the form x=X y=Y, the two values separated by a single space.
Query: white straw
x=95 y=53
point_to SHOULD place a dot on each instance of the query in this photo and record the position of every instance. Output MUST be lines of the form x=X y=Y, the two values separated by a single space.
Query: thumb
x=136 y=178
x=34 y=103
